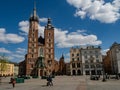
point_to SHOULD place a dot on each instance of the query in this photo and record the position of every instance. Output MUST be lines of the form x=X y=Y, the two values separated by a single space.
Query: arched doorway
x=74 y=72
x=41 y=72
x=78 y=72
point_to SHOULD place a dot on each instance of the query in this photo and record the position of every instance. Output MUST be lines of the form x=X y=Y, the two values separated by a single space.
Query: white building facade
x=115 y=58
x=86 y=61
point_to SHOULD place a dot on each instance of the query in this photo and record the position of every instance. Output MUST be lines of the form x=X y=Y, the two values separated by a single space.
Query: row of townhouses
x=86 y=61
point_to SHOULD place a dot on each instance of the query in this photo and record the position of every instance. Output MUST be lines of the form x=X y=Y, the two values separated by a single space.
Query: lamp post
x=104 y=79
x=117 y=60
x=91 y=61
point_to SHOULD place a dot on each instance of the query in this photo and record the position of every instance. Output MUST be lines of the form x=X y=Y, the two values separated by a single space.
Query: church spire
x=49 y=24
x=34 y=10
x=34 y=16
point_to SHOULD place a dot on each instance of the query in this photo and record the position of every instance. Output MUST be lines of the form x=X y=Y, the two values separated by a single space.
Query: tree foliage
x=3 y=64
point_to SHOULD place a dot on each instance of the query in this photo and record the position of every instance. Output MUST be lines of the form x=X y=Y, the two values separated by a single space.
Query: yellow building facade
x=8 y=71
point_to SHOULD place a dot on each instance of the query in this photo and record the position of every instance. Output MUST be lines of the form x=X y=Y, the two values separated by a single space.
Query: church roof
x=49 y=25
x=41 y=40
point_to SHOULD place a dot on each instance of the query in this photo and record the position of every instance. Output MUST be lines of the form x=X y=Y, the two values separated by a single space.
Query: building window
x=32 y=50
x=41 y=51
x=49 y=45
x=49 y=34
x=97 y=60
x=73 y=65
x=78 y=59
x=96 y=52
x=85 y=56
x=49 y=62
x=49 y=50
x=86 y=66
x=98 y=66
x=78 y=65
x=86 y=61
x=72 y=55
x=92 y=66
x=49 y=56
x=33 y=39
x=31 y=65
x=96 y=56
x=72 y=59
x=85 y=52
x=33 y=35
x=32 y=55
x=49 y=40
x=77 y=54
x=34 y=45
x=91 y=61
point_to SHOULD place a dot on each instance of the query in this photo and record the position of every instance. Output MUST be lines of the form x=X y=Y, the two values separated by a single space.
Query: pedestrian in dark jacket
x=49 y=79
x=13 y=82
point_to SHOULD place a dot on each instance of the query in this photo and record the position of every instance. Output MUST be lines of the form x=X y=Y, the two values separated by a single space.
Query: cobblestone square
x=63 y=83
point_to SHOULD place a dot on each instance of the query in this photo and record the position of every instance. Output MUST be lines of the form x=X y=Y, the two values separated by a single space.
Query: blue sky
x=76 y=22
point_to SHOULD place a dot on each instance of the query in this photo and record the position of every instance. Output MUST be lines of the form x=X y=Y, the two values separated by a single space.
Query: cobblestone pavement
x=111 y=84
x=60 y=83
x=63 y=83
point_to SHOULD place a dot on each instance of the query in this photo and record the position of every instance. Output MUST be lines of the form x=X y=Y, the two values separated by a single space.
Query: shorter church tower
x=49 y=47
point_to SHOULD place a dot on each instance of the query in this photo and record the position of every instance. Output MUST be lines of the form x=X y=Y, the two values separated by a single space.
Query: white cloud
x=24 y=27
x=10 y=38
x=64 y=39
x=21 y=50
x=104 y=51
x=3 y=50
x=43 y=20
x=67 y=60
x=105 y=12
x=67 y=55
x=18 y=56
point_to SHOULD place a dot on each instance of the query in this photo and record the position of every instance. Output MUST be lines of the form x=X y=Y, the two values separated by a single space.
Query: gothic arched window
x=41 y=51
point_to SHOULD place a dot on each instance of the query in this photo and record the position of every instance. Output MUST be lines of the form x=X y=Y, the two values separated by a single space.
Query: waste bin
x=19 y=80
x=35 y=76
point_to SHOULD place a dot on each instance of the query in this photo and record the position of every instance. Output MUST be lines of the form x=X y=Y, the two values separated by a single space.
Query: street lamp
x=117 y=60
x=91 y=61
x=104 y=79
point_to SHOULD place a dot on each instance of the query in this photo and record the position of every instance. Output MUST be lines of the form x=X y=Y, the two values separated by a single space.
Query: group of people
x=49 y=81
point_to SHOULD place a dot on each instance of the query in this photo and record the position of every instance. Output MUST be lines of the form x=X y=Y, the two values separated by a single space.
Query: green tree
x=3 y=65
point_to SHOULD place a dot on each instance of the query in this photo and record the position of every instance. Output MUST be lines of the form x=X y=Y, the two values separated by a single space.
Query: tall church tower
x=49 y=47
x=32 y=53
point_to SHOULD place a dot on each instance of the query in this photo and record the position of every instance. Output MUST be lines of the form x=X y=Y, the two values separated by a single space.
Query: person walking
x=49 y=79
x=13 y=82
